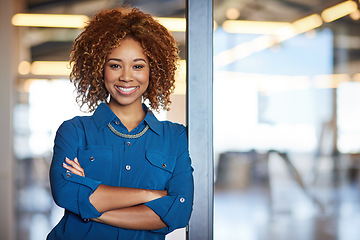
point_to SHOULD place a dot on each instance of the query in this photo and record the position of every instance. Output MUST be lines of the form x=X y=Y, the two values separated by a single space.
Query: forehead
x=128 y=46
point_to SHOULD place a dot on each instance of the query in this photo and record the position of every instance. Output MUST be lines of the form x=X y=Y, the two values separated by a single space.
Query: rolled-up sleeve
x=175 y=208
x=70 y=191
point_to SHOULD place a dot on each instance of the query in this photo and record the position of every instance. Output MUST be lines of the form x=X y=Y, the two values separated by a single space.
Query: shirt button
x=164 y=165
x=68 y=175
x=117 y=122
x=128 y=167
x=92 y=158
x=86 y=220
x=182 y=200
x=128 y=143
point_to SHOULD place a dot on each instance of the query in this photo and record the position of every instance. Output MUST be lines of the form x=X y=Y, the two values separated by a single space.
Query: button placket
x=128 y=154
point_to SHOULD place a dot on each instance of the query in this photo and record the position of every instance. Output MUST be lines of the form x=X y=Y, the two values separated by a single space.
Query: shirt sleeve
x=175 y=208
x=70 y=191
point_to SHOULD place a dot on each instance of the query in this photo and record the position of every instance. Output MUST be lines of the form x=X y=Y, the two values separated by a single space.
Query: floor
x=278 y=208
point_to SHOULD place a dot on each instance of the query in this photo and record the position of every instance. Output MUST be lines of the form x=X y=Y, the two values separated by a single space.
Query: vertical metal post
x=199 y=116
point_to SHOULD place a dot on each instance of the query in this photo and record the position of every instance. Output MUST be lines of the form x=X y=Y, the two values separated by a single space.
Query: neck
x=130 y=115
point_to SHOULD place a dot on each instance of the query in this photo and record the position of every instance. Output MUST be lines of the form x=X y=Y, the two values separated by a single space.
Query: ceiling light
x=79 y=21
x=355 y=15
x=52 y=68
x=49 y=20
x=232 y=13
x=307 y=23
x=281 y=30
x=276 y=34
x=330 y=80
x=24 y=67
x=340 y=10
x=253 y=27
x=173 y=24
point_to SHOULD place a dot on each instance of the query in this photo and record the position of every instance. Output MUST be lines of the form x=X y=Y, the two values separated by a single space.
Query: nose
x=126 y=75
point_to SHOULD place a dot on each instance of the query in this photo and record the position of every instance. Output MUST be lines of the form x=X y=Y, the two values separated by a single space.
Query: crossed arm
x=122 y=207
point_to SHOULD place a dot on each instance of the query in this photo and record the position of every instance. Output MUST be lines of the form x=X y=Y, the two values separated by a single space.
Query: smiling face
x=126 y=74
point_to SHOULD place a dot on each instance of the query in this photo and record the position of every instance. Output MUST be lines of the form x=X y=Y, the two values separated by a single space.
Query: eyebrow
x=119 y=60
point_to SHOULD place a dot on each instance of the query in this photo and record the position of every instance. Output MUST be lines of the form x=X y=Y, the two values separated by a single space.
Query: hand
x=163 y=193
x=159 y=194
x=154 y=194
x=74 y=167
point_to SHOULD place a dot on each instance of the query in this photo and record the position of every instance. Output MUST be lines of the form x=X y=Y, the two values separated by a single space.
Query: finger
x=77 y=169
x=79 y=166
x=74 y=164
x=73 y=170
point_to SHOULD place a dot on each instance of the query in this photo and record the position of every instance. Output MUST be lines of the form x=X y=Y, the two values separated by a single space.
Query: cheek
x=108 y=76
x=147 y=78
x=107 y=79
x=146 y=82
x=143 y=79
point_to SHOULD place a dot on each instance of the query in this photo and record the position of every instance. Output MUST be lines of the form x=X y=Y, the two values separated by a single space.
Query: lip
x=126 y=90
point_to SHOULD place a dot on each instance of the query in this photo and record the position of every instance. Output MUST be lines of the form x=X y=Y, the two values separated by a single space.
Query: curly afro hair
x=104 y=33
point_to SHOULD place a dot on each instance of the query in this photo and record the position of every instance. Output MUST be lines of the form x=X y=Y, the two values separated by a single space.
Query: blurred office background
x=286 y=115
x=286 y=119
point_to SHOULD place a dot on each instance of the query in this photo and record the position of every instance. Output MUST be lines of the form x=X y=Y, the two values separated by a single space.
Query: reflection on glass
x=286 y=134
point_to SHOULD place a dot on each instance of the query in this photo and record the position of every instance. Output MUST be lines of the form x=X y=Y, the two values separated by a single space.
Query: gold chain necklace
x=130 y=136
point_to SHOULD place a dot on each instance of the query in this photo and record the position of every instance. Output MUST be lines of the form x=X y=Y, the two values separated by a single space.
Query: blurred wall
x=8 y=55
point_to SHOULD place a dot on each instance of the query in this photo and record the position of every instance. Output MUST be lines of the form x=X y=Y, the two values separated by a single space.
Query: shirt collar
x=152 y=121
x=103 y=115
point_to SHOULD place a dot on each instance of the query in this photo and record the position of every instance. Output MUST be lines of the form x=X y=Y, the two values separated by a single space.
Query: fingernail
x=75 y=159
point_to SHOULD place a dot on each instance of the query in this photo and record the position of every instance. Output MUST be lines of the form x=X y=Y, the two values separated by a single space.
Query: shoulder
x=163 y=127
x=173 y=128
x=72 y=125
x=170 y=139
x=72 y=131
x=174 y=134
x=172 y=125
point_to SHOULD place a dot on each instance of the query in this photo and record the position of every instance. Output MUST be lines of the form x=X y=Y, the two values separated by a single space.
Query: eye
x=138 y=67
x=114 y=66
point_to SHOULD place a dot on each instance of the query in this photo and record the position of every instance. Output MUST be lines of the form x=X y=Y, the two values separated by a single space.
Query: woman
x=121 y=173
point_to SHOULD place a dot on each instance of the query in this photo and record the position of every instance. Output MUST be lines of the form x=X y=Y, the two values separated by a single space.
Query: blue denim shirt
x=157 y=160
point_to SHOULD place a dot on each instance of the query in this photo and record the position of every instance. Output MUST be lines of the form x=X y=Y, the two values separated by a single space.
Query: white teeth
x=126 y=89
